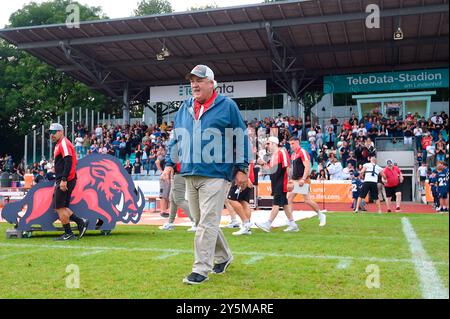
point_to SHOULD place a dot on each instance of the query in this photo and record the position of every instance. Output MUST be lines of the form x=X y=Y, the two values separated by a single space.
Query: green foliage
x=208 y=6
x=51 y=12
x=32 y=92
x=149 y=7
x=139 y=261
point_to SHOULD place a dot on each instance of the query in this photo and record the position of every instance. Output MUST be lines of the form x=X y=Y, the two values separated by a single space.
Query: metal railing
x=395 y=144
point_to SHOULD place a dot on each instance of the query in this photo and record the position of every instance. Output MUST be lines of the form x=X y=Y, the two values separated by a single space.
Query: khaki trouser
x=177 y=197
x=206 y=197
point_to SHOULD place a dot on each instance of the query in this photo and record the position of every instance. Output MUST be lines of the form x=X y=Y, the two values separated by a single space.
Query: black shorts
x=235 y=195
x=280 y=199
x=423 y=178
x=390 y=191
x=369 y=187
x=62 y=199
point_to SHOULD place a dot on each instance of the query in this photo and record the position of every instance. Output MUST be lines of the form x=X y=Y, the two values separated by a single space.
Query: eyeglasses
x=52 y=132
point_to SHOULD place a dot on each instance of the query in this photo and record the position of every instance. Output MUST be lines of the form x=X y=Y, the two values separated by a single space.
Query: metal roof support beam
x=289 y=74
x=299 y=52
x=126 y=105
x=238 y=26
x=88 y=66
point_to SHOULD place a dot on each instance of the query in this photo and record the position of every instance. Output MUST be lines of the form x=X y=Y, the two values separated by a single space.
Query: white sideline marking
x=167 y=255
x=88 y=253
x=253 y=260
x=343 y=264
x=19 y=253
x=247 y=253
x=430 y=283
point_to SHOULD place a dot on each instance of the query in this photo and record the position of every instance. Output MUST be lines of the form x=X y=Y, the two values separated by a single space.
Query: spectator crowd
x=337 y=150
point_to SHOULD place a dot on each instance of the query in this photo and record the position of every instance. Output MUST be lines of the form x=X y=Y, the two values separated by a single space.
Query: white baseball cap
x=56 y=127
x=274 y=140
x=202 y=71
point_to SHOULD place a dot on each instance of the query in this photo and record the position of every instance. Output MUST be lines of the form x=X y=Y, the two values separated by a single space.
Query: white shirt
x=371 y=169
x=362 y=131
x=431 y=150
x=98 y=131
x=422 y=171
x=312 y=136
x=79 y=141
x=335 y=170
x=418 y=131
x=436 y=119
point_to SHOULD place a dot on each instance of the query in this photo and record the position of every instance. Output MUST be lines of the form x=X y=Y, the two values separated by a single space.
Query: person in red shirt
x=346 y=126
x=301 y=169
x=66 y=179
x=279 y=167
x=394 y=179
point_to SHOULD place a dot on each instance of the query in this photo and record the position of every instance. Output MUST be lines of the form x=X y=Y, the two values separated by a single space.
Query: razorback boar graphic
x=104 y=191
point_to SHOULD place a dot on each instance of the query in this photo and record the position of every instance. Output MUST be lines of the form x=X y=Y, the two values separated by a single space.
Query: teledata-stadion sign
x=231 y=89
x=374 y=82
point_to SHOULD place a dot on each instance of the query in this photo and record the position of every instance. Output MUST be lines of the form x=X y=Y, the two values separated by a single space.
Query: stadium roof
x=276 y=41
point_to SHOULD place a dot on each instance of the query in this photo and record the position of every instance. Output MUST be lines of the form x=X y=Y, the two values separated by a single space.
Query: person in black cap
x=66 y=178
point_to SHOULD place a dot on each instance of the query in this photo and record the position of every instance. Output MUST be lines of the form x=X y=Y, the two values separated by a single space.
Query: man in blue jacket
x=210 y=141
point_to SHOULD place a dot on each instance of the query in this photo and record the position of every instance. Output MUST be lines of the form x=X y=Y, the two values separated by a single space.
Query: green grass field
x=144 y=262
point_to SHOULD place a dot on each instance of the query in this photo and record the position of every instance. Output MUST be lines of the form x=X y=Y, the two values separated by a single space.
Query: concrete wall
x=402 y=158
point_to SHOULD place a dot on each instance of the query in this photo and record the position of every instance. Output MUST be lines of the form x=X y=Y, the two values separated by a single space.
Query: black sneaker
x=195 y=279
x=65 y=236
x=83 y=227
x=389 y=211
x=221 y=268
x=165 y=215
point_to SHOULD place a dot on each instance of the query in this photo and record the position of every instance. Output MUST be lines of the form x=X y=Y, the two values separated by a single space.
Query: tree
x=33 y=93
x=208 y=6
x=149 y=7
x=51 y=12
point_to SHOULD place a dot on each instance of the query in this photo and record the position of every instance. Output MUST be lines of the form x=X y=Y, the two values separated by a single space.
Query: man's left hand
x=63 y=186
x=241 y=180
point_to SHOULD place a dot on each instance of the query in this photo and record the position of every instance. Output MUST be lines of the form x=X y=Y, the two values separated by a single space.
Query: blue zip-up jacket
x=206 y=147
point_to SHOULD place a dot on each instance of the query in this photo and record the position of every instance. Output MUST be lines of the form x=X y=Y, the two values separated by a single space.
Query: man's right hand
x=167 y=174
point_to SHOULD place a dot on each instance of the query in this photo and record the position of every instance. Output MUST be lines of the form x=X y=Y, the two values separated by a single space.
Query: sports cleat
x=221 y=268
x=193 y=228
x=233 y=224
x=264 y=226
x=243 y=231
x=292 y=228
x=65 y=237
x=389 y=211
x=356 y=211
x=83 y=227
x=164 y=215
x=322 y=218
x=398 y=209
x=195 y=279
x=167 y=226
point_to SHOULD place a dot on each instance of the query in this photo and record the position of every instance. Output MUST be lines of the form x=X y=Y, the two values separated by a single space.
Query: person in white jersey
x=370 y=172
x=422 y=173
